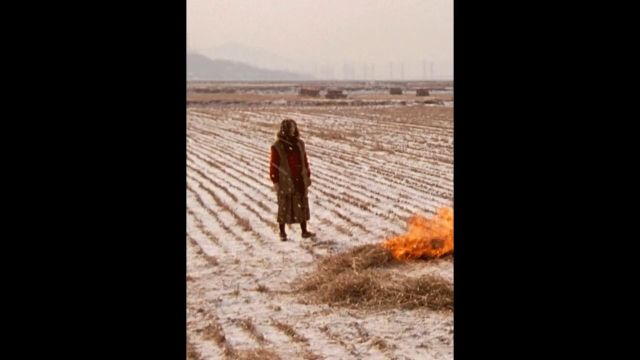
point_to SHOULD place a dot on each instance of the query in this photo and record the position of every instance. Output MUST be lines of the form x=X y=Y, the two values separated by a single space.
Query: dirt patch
x=289 y=331
x=256 y=354
x=215 y=333
x=248 y=326
x=192 y=352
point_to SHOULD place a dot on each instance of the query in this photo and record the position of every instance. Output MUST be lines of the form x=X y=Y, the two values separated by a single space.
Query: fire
x=426 y=238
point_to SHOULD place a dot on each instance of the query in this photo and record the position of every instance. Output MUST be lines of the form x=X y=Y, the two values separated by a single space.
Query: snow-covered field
x=371 y=169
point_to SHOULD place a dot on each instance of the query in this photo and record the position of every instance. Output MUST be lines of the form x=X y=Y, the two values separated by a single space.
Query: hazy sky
x=326 y=34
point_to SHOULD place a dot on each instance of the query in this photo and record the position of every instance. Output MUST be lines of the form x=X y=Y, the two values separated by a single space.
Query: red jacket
x=295 y=163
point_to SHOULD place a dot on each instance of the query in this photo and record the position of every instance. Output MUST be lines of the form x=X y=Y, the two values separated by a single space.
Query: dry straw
x=361 y=278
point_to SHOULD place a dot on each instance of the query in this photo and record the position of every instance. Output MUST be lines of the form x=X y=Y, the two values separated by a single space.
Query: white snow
x=360 y=194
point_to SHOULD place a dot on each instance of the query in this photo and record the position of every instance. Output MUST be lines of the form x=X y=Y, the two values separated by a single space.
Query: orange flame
x=426 y=238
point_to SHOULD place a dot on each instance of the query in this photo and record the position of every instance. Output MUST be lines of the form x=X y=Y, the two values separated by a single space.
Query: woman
x=290 y=174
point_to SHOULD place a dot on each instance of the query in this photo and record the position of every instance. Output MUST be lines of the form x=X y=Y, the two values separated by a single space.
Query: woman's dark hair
x=284 y=126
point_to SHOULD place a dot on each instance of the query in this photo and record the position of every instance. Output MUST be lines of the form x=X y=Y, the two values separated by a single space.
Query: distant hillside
x=249 y=55
x=200 y=67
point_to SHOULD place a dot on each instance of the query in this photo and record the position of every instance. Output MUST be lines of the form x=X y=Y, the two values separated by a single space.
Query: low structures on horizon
x=422 y=92
x=335 y=94
x=395 y=91
x=309 y=92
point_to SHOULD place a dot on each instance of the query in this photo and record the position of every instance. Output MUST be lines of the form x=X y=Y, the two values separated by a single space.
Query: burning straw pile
x=426 y=238
x=357 y=278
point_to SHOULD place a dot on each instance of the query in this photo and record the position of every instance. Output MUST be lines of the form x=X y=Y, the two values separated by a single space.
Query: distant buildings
x=309 y=92
x=335 y=94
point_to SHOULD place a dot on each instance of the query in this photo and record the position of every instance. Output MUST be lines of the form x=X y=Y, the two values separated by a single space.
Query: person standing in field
x=291 y=177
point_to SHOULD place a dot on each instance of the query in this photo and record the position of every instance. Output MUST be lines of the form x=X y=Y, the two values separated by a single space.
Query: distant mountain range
x=254 y=56
x=200 y=67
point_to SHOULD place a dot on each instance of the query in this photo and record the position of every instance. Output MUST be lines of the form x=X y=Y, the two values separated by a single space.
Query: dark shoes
x=305 y=235
x=308 y=234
